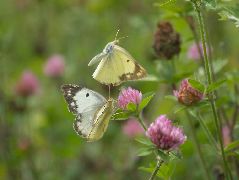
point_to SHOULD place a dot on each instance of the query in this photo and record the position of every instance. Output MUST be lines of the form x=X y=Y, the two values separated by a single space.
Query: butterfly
x=116 y=65
x=92 y=111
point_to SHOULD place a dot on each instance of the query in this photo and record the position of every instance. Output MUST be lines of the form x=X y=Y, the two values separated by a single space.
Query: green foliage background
x=33 y=30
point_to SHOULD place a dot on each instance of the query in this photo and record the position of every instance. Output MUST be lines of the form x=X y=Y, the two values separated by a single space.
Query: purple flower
x=27 y=85
x=187 y=95
x=127 y=96
x=193 y=52
x=54 y=66
x=164 y=135
x=226 y=134
x=132 y=128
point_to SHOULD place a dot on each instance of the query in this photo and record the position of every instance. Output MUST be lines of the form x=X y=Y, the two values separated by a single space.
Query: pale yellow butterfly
x=116 y=65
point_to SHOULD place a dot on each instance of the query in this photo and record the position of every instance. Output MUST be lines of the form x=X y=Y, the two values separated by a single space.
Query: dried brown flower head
x=166 y=41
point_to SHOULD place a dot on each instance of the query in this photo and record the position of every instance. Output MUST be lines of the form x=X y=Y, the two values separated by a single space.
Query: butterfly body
x=116 y=66
x=92 y=111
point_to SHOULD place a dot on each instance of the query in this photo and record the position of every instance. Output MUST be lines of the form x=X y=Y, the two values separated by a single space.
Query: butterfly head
x=109 y=47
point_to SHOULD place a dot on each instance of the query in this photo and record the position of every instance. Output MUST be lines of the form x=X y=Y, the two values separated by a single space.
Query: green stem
x=159 y=161
x=141 y=121
x=157 y=167
x=208 y=133
x=208 y=72
x=198 y=147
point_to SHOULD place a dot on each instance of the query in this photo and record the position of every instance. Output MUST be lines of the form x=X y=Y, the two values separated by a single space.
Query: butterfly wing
x=97 y=58
x=117 y=67
x=101 y=121
x=85 y=104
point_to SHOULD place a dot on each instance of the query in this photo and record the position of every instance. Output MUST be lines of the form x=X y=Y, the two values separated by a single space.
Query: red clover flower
x=129 y=95
x=164 y=135
x=187 y=95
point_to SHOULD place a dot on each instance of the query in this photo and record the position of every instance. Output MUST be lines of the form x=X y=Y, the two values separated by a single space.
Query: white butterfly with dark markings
x=116 y=65
x=92 y=111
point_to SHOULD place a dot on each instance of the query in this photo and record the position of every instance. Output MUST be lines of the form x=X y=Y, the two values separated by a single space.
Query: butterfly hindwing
x=132 y=69
x=86 y=105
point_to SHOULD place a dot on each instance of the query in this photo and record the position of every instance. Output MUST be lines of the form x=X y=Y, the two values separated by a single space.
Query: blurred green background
x=37 y=140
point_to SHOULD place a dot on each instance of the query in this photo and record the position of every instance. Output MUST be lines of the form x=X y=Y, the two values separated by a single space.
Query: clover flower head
x=187 y=95
x=165 y=135
x=132 y=128
x=54 y=66
x=129 y=95
x=27 y=85
x=194 y=53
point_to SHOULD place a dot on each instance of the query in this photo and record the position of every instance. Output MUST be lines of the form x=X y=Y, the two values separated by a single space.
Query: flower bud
x=187 y=95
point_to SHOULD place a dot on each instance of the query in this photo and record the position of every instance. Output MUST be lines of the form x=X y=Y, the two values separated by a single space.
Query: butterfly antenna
x=117 y=34
x=122 y=38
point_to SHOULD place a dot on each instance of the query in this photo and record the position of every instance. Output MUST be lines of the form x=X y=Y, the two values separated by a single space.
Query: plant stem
x=159 y=161
x=198 y=147
x=157 y=167
x=208 y=133
x=190 y=21
x=208 y=72
x=141 y=121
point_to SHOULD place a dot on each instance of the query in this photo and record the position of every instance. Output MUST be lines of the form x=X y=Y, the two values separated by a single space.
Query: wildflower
x=27 y=85
x=187 y=95
x=166 y=41
x=54 y=66
x=129 y=95
x=132 y=128
x=24 y=144
x=194 y=53
x=226 y=134
x=164 y=135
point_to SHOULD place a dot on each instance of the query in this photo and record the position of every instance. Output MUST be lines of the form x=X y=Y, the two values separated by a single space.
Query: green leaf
x=131 y=107
x=179 y=109
x=163 y=155
x=144 y=141
x=145 y=102
x=215 y=85
x=218 y=65
x=147 y=169
x=233 y=153
x=175 y=155
x=120 y=115
x=232 y=146
x=230 y=15
x=145 y=151
x=197 y=85
x=166 y=3
x=171 y=97
x=211 y=3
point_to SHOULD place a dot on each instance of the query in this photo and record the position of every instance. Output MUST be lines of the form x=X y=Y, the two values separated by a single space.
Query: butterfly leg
x=109 y=91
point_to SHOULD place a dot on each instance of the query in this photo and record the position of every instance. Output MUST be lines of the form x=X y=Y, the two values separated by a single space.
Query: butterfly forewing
x=69 y=91
x=132 y=69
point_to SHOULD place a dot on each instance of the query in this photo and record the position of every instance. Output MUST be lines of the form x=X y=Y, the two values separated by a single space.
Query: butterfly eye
x=127 y=60
x=87 y=94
